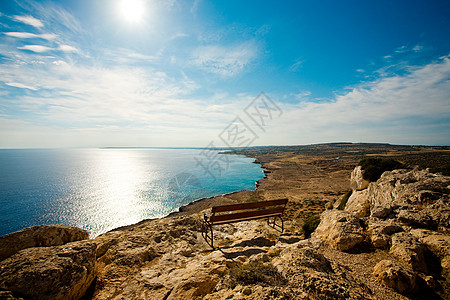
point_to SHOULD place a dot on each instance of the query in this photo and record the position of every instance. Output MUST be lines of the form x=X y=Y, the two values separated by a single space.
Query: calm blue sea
x=101 y=189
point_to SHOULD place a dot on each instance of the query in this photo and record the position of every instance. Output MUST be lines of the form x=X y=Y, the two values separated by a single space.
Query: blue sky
x=177 y=73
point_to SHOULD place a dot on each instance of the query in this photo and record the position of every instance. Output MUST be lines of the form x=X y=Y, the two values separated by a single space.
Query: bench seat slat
x=251 y=205
x=246 y=215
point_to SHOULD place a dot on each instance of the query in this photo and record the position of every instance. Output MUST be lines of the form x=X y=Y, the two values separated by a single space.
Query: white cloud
x=27 y=35
x=225 y=61
x=21 y=85
x=29 y=20
x=401 y=49
x=36 y=48
x=302 y=95
x=417 y=48
x=413 y=108
x=296 y=65
x=67 y=48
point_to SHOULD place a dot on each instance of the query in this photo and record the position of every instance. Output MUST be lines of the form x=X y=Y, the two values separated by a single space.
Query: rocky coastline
x=390 y=240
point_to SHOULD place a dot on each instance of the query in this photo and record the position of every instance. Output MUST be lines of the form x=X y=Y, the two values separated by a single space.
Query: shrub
x=256 y=272
x=310 y=225
x=373 y=167
x=345 y=199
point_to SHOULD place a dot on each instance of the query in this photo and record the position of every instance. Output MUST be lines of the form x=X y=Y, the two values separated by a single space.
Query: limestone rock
x=358 y=203
x=310 y=271
x=380 y=232
x=417 y=219
x=357 y=181
x=340 y=229
x=57 y=272
x=396 y=276
x=439 y=213
x=398 y=190
x=410 y=250
x=39 y=236
x=403 y=188
x=438 y=243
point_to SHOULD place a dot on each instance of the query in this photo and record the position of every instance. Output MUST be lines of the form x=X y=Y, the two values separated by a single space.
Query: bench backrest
x=249 y=205
x=249 y=210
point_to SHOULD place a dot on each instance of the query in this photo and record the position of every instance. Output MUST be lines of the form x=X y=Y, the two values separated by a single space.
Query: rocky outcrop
x=357 y=181
x=39 y=236
x=57 y=272
x=381 y=231
x=358 y=204
x=401 y=190
x=310 y=272
x=411 y=251
x=407 y=212
x=340 y=229
x=397 y=277
x=439 y=244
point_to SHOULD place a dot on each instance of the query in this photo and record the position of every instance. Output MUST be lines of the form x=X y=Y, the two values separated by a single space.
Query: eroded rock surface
x=340 y=229
x=396 y=276
x=39 y=236
x=357 y=181
x=57 y=272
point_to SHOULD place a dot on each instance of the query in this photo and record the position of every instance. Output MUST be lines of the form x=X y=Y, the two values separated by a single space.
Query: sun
x=132 y=10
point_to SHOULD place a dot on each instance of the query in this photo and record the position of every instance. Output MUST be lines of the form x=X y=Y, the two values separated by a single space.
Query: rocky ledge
x=391 y=241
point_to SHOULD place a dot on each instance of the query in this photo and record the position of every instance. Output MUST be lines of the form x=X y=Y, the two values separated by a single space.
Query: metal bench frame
x=226 y=214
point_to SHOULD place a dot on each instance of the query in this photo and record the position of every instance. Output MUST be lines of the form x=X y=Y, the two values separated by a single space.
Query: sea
x=102 y=189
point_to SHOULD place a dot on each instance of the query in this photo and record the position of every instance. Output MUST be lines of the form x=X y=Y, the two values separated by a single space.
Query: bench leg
x=205 y=228
x=274 y=225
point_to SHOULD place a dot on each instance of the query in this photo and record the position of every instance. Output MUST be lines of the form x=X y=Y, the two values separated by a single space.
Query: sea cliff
x=390 y=240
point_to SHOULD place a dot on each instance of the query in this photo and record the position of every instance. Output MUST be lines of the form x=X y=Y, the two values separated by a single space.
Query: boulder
x=380 y=232
x=308 y=272
x=358 y=203
x=396 y=276
x=410 y=250
x=357 y=181
x=58 y=272
x=438 y=243
x=39 y=236
x=340 y=229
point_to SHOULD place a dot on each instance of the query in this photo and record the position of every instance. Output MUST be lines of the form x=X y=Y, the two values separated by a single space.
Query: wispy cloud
x=417 y=48
x=296 y=65
x=413 y=108
x=225 y=61
x=28 y=35
x=29 y=20
x=21 y=85
x=67 y=48
x=36 y=48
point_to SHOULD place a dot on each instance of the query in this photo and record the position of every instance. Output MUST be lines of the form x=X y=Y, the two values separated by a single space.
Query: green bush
x=256 y=272
x=310 y=225
x=373 y=167
x=345 y=199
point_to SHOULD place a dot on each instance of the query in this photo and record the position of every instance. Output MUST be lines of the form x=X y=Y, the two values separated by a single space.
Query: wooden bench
x=226 y=214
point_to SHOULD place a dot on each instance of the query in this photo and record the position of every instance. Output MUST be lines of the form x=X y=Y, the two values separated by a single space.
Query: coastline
x=167 y=258
x=207 y=202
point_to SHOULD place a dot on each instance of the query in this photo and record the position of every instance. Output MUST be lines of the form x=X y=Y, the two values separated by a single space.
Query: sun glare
x=132 y=10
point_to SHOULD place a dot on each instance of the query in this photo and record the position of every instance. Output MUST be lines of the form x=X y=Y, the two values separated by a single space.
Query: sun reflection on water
x=103 y=189
x=123 y=181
